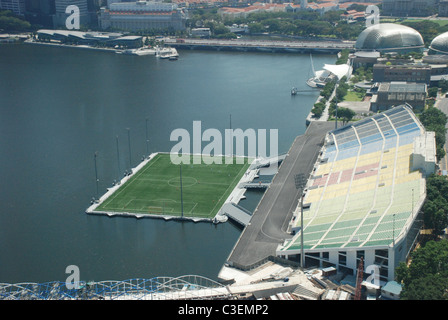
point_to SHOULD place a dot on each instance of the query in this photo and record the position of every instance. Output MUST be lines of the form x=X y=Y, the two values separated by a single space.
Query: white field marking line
x=169 y=208
x=191 y=211
x=237 y=175
x=127 y=183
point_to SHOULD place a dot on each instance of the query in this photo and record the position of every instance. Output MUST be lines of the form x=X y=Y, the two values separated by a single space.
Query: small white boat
x=168 y=53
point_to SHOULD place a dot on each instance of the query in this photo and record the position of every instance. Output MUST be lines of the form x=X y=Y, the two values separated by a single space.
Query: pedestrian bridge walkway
x=237 y=213
x=256 y=185
x=265 y=162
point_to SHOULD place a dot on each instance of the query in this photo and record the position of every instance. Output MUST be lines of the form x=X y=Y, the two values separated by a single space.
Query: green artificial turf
x=155 y=188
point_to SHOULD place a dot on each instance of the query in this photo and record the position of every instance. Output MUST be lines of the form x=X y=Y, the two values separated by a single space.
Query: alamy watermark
x=219 y=146
x=73 y=280
x=73 y=20
x=372 y=15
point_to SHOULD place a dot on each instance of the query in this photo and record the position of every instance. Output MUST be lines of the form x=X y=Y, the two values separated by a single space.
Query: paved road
x=267 y=228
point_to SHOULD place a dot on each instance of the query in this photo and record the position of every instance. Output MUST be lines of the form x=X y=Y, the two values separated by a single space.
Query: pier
x=269 y=222
x=324 y=47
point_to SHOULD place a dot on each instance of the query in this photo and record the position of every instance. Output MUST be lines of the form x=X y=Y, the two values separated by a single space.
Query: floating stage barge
x=199 y=191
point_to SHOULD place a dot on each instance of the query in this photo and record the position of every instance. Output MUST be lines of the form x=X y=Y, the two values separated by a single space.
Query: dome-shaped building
x=439 y=45
x=389 y=37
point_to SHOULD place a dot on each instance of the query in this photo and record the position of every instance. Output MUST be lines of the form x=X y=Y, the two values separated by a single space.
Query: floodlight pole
x=118 y=161
x=181 y=196
x=302 y=251
x=393 y=231
x=147 y=140
x=336 y=97
x=300 y=182
x=231 y=137
x=129 y=143
x=96 y=175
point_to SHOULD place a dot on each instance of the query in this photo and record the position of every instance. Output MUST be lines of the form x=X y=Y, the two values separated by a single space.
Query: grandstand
x=364 y=194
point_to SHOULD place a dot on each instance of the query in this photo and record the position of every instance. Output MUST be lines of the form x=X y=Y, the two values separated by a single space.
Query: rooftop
x=398 y=86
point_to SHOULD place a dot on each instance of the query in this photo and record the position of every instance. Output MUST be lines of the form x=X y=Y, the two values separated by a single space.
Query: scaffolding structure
x=188 y=287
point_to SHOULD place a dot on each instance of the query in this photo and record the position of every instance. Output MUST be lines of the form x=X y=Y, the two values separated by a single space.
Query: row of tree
x=345 y=114
x=300 y=23
x=435 y=120
x=11 y=23
x=426 y=276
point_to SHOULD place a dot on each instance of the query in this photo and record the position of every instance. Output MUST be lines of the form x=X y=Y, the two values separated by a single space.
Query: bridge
x=266 y=162
x=255 y=185
x=157 y=288
x=325 y=47
x=237 y=213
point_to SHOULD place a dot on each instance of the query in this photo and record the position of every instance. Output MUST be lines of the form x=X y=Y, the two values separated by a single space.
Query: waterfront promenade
x=296 y=46
x=269 y=223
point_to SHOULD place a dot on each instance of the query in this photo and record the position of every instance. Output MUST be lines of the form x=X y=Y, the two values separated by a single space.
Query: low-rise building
x=396 y=93
x=201 y=32
x=102 y=39
x=142 y=15
x=391 y=291
x=418 y=73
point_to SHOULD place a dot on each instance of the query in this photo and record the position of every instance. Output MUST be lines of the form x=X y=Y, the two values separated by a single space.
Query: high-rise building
x=61 y=16
x=16 y=6
x=405 y=8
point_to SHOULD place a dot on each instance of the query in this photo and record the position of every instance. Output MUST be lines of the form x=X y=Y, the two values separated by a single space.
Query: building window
x=342 y=260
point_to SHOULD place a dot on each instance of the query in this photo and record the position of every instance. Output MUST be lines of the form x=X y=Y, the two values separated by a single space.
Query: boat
x=168 y=53
x=145 y=51
x=294 y=91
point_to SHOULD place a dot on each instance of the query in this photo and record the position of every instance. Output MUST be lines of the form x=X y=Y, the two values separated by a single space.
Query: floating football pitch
x=155 y=188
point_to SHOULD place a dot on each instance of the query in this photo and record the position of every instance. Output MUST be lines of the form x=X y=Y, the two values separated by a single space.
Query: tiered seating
x=360 y=193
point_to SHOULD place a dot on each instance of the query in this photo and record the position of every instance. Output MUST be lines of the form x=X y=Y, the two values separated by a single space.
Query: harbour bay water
x=58 y=106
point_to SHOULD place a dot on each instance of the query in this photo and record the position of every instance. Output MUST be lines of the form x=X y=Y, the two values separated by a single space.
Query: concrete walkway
x=268 y=226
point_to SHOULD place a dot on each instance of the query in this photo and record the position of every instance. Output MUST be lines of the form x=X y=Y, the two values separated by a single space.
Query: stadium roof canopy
x=440 y=44
x=389 y=37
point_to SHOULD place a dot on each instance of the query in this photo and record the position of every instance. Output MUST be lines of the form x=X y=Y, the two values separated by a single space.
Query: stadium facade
x=439 y=45
x=390 y=37
x=364 y=195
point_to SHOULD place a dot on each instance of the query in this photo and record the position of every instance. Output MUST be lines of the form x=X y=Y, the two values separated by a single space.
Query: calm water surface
x=59 y=106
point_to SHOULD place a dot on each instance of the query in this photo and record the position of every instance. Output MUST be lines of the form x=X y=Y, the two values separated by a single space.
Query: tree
x=432 y=92
x=345 y=114
x=436 y=206
x=426 y=278
x=256 y=27
x=435 y=120
x=8 y=22
x=318 y=109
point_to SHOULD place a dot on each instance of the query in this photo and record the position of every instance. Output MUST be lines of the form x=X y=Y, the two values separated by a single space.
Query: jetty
x=268 y=225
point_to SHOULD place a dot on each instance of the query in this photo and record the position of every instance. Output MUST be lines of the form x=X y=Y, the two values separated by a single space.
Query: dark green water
x=59 y=106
